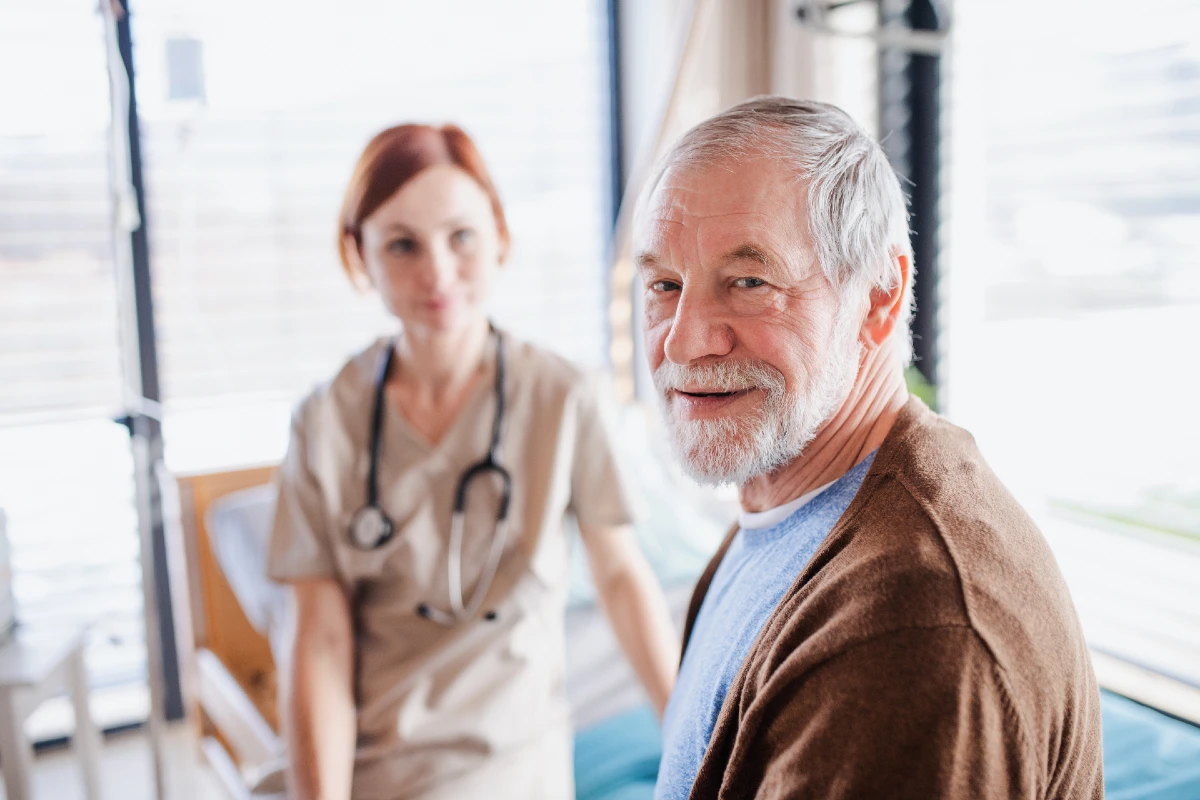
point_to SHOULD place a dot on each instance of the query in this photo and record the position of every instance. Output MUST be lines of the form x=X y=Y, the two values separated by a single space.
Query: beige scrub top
x=477 y=709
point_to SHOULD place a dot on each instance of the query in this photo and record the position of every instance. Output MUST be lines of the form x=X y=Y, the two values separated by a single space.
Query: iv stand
x=143 y=416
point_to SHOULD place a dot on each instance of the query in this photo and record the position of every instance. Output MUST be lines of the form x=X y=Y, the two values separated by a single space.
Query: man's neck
x=855 y=430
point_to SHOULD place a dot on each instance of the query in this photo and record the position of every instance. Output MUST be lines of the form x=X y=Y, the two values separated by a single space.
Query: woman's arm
x=318 y=692
x=635 y=606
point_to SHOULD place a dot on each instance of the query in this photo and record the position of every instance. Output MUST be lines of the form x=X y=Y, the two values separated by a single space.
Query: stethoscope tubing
x=460 y=610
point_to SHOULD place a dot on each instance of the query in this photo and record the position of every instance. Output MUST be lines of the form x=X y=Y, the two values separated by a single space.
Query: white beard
x=738 y=447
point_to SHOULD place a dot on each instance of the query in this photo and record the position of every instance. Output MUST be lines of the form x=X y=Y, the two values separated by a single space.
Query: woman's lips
x=702 y=404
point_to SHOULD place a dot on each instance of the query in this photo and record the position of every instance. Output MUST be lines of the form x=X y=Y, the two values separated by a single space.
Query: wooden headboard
x=219 y=626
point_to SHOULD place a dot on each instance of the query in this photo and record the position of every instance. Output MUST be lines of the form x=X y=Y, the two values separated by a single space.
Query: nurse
x=420 y=514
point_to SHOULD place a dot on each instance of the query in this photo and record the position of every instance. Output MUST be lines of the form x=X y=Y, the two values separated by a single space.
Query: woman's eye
x=462 y=236
x=665 y=286
x=749 y=283
x=402 y=246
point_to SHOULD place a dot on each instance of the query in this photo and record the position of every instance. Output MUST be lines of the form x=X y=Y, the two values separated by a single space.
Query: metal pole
x=147 y=349
x=146 y=492
x=142 y=394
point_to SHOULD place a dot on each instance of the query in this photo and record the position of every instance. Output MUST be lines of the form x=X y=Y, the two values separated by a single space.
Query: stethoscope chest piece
x=370 y=528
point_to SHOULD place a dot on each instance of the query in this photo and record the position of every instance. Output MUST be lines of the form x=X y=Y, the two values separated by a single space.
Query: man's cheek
x=657 y=328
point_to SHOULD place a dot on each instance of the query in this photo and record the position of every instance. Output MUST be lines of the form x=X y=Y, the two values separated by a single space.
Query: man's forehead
x=725 y=185
x=721 y=198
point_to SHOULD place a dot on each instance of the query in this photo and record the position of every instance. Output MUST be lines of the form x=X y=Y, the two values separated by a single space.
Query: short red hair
x=392 y=159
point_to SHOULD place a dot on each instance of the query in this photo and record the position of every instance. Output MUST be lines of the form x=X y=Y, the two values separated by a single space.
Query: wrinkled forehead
x=720 y=203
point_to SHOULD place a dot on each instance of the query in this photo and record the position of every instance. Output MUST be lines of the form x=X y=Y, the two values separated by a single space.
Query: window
x=245 y=182
x=65 y=468
x=252 y=116
x=1073 y=290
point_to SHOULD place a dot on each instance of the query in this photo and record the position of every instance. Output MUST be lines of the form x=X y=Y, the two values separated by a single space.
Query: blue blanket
x=1147 y=755
x=617 y=759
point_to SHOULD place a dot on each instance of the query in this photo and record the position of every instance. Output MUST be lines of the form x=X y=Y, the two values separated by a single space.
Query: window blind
x=58 y=330
x=65 y=467
x=244 y=173
x=244 y=187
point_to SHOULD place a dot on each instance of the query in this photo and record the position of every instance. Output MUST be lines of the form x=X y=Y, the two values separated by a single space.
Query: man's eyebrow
x=645 y=260
x=749 y=251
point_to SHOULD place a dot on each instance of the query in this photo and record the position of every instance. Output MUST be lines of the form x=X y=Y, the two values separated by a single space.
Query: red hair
x=392 y=159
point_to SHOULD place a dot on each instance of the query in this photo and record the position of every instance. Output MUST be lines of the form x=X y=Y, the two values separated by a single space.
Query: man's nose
x=697 y=330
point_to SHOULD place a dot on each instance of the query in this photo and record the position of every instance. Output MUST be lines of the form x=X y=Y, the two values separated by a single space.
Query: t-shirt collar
x=761 y=520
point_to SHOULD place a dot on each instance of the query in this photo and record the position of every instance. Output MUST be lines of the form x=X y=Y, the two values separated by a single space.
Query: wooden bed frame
x=228 y=664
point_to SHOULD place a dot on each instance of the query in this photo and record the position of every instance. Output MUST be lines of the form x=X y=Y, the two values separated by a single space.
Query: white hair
x=857 y=214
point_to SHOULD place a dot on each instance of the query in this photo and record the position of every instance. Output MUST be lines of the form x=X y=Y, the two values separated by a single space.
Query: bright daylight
x=599 y=399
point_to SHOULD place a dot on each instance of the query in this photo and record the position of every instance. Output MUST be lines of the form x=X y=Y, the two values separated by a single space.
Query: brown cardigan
x=930 y=649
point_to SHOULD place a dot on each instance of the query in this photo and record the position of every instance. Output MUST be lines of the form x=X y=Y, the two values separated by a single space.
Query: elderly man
x=885 y=621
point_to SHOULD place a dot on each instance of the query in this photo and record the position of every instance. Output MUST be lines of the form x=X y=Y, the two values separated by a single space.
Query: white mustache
x=719 y=376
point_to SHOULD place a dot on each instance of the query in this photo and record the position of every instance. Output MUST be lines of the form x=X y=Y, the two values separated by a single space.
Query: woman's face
x=431 y=250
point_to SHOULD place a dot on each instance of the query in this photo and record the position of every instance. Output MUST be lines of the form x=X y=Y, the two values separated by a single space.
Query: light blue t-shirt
x=759 y=567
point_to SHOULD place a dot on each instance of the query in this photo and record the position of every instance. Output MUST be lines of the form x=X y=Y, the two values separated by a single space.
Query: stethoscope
x=371 y=528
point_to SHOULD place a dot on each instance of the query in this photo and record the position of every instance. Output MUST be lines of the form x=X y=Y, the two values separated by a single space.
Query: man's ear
x=887 y=306
x=354 y=260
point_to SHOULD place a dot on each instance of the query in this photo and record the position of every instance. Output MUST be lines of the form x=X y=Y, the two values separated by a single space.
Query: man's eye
x=402 y=246
x=462 y=236
x=749 y=283
x=665 y=286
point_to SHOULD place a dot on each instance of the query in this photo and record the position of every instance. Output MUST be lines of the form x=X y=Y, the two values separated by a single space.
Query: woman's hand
x=318 y=691
x=635 y=606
